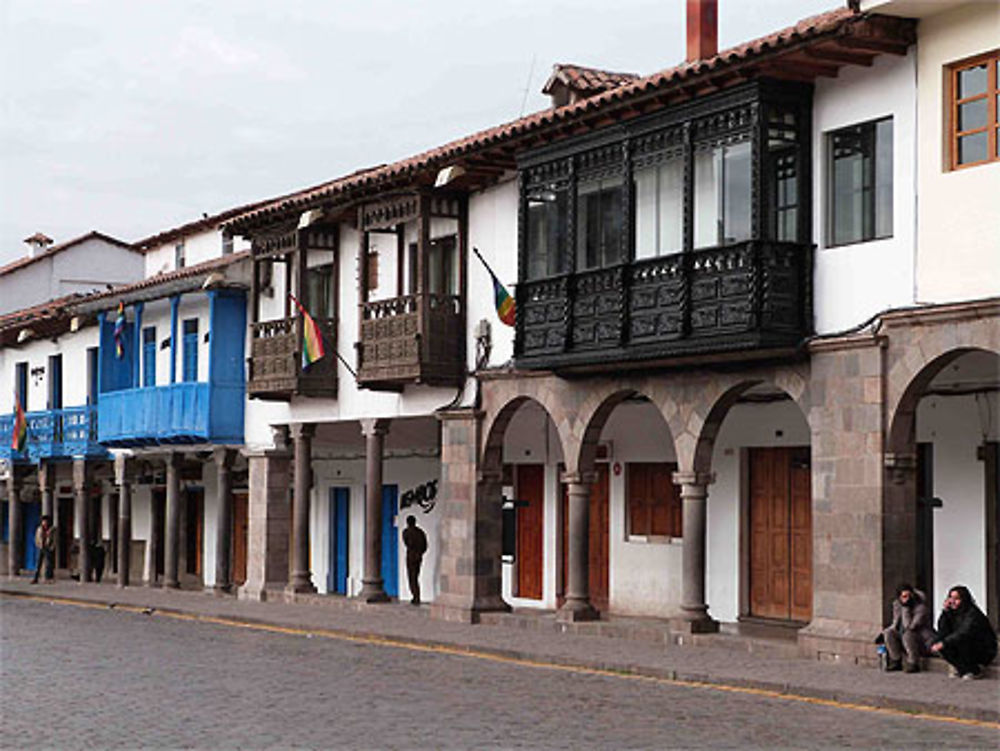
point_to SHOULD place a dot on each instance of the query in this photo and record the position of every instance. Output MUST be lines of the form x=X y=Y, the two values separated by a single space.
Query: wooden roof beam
x=840 y=55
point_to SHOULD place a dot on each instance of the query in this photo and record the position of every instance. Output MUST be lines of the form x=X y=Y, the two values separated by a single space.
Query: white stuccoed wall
x=853 y=282
x=73 y=347
x=199 y=246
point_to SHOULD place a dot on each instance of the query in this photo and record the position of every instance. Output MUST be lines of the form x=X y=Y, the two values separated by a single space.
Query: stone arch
x=593 y=421
x=492 y=451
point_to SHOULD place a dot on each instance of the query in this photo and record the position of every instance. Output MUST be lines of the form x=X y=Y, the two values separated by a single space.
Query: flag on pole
x=120 y=332
x=312 y=338
x=501 y=297
x=19 y=440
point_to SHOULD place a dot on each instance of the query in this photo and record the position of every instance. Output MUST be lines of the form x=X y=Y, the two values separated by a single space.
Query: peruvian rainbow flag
x=504 y=303
x=120 y=332
x=19 y=440
x=312 y=339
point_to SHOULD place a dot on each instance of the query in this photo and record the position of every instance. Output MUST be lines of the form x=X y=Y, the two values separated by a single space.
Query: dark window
x=547 y=217
x=179 y=259
x=21 y=384
x=782 y=146
x=442 y=271
x=190 y=356
x=55 y=382
x=599 y=223
x=973 y=101
x=227 y=245
x=319 y=291
x=149 y=356
x=860 y=182
x=411 y=268
x=93 y=365
x=722 y=195
x=654 y=502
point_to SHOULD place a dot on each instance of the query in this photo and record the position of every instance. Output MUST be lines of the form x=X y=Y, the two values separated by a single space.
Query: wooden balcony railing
x=412 y=339
x=275 y=367
x=737 y=299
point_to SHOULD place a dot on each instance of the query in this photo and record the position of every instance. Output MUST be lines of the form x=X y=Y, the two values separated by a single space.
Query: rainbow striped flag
x=19 y=439
x=506 y=309
x=120 y=332
x=312 y=338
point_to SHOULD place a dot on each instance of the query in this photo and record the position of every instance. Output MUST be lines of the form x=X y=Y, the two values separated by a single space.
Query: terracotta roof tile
x=585 y=79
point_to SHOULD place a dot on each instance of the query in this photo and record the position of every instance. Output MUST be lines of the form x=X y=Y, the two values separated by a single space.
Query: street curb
x=779 y=689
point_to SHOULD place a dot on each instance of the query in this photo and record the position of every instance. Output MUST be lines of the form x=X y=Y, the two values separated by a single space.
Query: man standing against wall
x=416 y=545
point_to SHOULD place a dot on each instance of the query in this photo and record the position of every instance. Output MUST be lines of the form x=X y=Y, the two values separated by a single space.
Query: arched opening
x=944 y=438
x=634 y=530
x=759 y=549
x=523 y=455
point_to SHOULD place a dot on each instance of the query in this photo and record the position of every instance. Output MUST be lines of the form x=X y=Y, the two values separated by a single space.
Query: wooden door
x=193 y=530
x=241 y=531
x=780 y=533
x=530 y=487
x=64 y=531
x=598 y=541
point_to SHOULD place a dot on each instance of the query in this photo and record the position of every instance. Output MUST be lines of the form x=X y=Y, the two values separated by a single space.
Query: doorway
x=529 y=482
x=390 y=540
x=241 y=529
x=194 y=508
x=336 y=578
x=780 y=533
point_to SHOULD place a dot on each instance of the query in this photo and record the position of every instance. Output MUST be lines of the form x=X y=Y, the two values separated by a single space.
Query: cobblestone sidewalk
x=929 y=692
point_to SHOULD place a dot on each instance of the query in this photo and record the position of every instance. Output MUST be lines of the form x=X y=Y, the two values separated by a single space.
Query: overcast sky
x=133 y=117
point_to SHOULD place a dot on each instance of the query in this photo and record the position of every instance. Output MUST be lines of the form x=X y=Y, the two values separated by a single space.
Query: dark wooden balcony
x=275 y=366
x=743 y=301
x=412 y=339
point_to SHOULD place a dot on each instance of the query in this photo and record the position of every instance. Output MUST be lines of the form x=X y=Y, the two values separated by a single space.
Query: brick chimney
x=702 y=29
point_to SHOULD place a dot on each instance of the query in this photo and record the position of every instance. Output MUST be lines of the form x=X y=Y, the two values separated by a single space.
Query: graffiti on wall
x=422 y=495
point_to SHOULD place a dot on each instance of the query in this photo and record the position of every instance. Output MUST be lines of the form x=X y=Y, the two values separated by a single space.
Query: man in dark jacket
x=910 y=635
x=965 y=637
x=416 y=545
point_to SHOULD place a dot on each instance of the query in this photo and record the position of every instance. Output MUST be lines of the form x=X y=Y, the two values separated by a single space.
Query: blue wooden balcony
x=180 y=413
x=54 y=434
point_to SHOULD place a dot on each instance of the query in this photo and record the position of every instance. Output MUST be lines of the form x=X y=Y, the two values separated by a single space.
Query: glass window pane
x=973 y=148
x=646 y=219
x=847 y=190
x=972 y=114
x=671 y=206
x=883 y=178
x=707 y=179
x=972 y=81
x=611 y=222
x=546 y=233
x=736 y=198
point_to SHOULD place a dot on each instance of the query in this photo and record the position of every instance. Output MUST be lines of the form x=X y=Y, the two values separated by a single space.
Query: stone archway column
x=302 y=435
x=577 y=606
x=46 y=481
x=470 y=526
x=124 y=482
x=80 y=489
x=372 y=589
x=171 y=537
x=15 y=552
x=224 y=521
x=694 y=496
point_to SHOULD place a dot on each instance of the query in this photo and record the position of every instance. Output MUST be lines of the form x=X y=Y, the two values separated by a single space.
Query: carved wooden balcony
x=275 y=367
x=412 y=339
x=743 y=301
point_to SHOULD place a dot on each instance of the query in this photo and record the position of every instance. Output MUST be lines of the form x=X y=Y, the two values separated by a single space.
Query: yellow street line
x=388 y=641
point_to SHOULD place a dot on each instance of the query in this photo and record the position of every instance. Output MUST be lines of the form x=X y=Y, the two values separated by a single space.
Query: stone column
x=224 y=521
x=80 y=492
x=155 y=539
x=267 y=534
x=694 y=496
x=577 y=606
x=124 y=482
x=15 y=548
x=302 y=435
x=470 y=527
x=371 y=583
x=46 y=481
x=171 y=551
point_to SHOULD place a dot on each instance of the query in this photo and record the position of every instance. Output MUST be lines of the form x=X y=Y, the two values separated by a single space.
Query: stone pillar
x=267 y=534
x=82 y=501
x=46 y=481
x=302 y=435
x=15 y=548
x=155 y=539
x=694 y=496
x=172 y=533
x=577 y=606
x=224 y=521
x=124 y=482
x=371 y=583
x=470 y=526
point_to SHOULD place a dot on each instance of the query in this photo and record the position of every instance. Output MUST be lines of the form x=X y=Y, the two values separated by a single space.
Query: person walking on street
x=45 y=541
x=910 y=635
x=965 y=637
x=416 y=545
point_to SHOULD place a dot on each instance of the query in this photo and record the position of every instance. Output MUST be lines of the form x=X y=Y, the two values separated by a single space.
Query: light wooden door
x=780 y=533
x=530 y=487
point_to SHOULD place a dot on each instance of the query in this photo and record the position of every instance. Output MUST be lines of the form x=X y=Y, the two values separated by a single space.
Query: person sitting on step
x=910 y=634
x=965 y=637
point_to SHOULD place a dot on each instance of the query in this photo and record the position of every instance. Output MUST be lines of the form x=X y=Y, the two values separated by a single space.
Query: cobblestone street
x=82 y=677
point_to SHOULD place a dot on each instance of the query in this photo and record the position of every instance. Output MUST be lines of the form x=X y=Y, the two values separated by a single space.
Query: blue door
x=336 y=578
x=32 y=518
x=390 y=541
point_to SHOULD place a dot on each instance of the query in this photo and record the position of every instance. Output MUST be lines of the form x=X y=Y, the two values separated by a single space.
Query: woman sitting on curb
x=965 y=637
